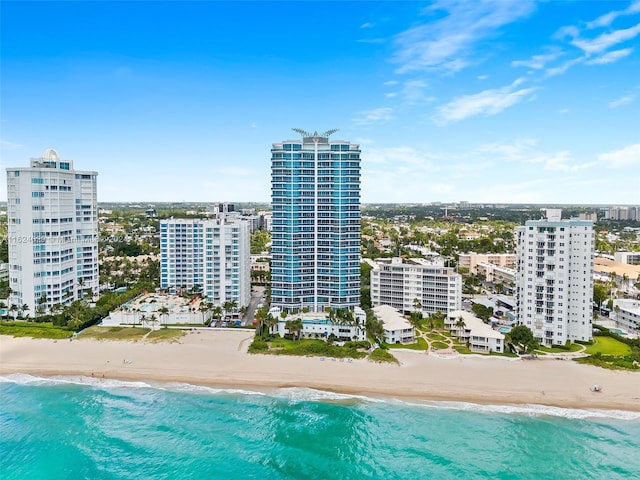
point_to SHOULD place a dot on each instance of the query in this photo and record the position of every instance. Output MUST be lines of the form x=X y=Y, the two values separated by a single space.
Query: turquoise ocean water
x=84 y=428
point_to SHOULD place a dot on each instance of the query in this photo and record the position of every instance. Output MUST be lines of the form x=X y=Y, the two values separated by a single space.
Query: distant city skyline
x=505 y=102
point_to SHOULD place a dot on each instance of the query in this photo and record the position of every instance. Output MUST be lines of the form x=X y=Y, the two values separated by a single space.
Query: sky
x=516 y=101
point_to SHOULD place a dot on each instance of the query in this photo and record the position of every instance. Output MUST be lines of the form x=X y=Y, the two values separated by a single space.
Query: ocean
x=86 y=428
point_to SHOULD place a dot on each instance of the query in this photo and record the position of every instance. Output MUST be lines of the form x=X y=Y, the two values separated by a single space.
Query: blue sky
x=485 y=101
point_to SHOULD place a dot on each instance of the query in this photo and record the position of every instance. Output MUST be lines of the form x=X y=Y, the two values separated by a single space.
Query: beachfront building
x=210 y=254
x=416 y=284
x=478 y=335
x=397 y=329
x=627 y=314
x=53 y=233
x=155 y=310
x=315 y=195
x=554 y=280
x=471 y=260
x=321 y=326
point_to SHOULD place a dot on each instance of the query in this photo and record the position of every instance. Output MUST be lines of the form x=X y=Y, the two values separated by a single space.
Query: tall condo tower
x=554 y=279
x=52 y=214
x=315 y=195
x=210 y=253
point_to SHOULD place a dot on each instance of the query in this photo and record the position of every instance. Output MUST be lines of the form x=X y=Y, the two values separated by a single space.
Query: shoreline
x=218 y=359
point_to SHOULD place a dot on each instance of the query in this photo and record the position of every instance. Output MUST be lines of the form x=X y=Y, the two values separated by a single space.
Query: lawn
x=114 y=333
x=34 y=330
x=608 y=346
x=462 y=349
x=420 y=345
x=572 y=347
x=439 y=345
x=435 y=336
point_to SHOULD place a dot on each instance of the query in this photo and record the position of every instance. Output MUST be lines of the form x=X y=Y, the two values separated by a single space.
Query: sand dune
x=219 y=358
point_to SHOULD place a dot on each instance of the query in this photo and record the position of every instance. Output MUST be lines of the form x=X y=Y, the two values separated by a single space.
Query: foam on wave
x=303 y=394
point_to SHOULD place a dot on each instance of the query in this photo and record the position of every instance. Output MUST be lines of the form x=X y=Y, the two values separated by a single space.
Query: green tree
x=600 y=294
x=482 y=312
x=521 y=336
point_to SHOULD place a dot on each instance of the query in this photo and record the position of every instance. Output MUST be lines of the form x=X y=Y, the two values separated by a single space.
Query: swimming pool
x=147 y=308
x=504 y=329
x=617 y=331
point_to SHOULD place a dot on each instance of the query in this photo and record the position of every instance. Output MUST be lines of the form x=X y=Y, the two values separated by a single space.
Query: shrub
x=258 y=346
x=382 y=356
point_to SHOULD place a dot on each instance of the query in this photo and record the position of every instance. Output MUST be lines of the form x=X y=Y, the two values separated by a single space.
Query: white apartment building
x=630 y=258
x=627 y=314
x=320 y=327
x=554 y=280
x=396 y=328
x=480 y=336
x=53 y=233
x=471 y=260
x=210 y=253
x=397 y=284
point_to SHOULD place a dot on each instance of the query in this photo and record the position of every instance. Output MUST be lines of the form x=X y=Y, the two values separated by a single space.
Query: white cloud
x=367 y=25
x=400 y=158
x=444 y=43
x=606 y=40
x=619 y=102
x=391 y=94
x=377 y=115
x=564 y=110
x=608 y=18
x=610 y=57
x=624 y=157
x=483 y=77
x=551 y=72
x=390 y=82
x=487 y=102
x=9 y=145
x=536 y=62
x=525 y=152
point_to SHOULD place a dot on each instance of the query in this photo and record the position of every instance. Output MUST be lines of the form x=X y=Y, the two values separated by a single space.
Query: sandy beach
x=219 y=358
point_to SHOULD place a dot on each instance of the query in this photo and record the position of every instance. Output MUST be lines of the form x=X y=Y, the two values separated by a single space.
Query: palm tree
x=261 y=317
x=216 y=312
x=460 y=324
x=24 y=308
x=14 y=309
x=295 y=327
x=154 y=319
x=270 y=321
x=204 y=308
x=164 y=312
x=417 y=305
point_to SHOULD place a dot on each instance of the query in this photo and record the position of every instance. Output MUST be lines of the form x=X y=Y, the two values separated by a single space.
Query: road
x=257 y=294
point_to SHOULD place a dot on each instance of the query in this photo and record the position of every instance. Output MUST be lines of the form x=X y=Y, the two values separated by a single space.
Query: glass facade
x=315 y=194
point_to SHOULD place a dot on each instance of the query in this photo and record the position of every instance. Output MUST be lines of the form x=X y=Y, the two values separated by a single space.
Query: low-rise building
x=417 y=285
x=471 y=260
x=469 y=328
x=496 y=274
x=319 y=326
x=397 y=329
x=154 y=310
x=627 y=314
x=630 y=258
